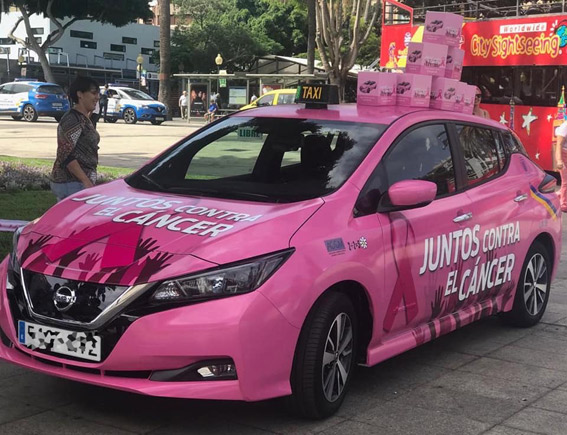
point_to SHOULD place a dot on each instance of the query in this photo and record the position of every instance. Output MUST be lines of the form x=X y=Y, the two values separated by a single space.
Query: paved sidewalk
x=486 y=378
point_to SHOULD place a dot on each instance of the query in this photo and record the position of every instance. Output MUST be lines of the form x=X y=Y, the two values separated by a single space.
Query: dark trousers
x=103 y=108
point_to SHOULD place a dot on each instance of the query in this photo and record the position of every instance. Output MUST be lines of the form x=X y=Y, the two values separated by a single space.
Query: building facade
x=102 y=51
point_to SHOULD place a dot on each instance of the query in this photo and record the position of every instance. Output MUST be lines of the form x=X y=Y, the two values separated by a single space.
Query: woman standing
x=77 y=142
x=478 y=111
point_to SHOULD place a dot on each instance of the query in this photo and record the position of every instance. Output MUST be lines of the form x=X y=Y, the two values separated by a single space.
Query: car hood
x=112 y=233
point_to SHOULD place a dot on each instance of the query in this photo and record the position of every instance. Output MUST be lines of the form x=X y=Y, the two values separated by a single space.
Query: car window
x=512 y=144
x=112 y=93
x=20 y=87
x=422 y=154
x=264 y=159
x=266 y=100
x=502 y=154
x=286 y=98
x=4 y=89
x=51 y=89
x=480 y=153
x=135 y=94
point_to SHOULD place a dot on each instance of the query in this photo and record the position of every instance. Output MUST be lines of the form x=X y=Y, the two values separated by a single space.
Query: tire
x=321 y=374
x=130 y=116
x=17 y=117
x=111 y=120
x=154 y=122
x=532 y=293
x=29 y=113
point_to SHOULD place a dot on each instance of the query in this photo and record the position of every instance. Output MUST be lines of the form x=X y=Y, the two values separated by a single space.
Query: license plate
x=159 y=118
x=57 y=104
x=85 y=345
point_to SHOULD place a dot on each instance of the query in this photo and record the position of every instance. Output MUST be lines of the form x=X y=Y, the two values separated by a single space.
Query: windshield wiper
x=226 y=194
x=153 y=182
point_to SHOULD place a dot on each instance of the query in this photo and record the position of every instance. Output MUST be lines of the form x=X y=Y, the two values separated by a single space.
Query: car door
x=500 y=193
x=5 y=97
x=421 y=246
x=112 y=102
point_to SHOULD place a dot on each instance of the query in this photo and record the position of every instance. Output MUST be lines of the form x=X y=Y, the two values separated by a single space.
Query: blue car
x=133 y=105
x=30 y=99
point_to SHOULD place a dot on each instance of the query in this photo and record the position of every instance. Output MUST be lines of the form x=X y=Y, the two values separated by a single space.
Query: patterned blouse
x=77 y=140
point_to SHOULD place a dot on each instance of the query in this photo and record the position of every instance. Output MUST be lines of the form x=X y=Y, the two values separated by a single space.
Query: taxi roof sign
x=317 y=96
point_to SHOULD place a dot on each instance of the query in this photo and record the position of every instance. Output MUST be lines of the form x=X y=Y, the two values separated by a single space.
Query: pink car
x=434 y=25
x=340 y=236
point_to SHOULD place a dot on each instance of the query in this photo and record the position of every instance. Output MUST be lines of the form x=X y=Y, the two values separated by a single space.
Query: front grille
x=65 y=299
x=110 y=332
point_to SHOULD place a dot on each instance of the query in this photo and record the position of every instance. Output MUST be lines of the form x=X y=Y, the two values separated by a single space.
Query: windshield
x=136 y=94
x=262 y=159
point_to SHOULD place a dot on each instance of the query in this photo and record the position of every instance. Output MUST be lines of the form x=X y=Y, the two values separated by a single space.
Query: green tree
x=342 y=27
x=165 y=55
x=63 y=13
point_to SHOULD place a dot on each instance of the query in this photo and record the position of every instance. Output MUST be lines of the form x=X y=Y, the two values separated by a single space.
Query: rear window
x=50 y=89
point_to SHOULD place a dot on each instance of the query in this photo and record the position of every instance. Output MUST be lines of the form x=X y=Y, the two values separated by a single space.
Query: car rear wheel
x=111 y=120
x=325 y=357
x=29 y=113
x=130 y=116
x=17 y=117
x=532 y=293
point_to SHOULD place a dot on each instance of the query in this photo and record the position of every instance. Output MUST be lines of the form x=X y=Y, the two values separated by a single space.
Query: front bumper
x=151 y=114
x=246 y=328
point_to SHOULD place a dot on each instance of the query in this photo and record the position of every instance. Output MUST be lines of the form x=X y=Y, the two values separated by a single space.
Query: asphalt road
x=486 y=378
x=121 y=144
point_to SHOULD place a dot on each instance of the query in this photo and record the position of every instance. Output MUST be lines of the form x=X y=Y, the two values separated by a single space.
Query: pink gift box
x=443 y=28
x=426 y=58
x=468 y=99
x=454 y=64
x=459 y=96
x=376 y=88
x=443 y=91
x=413 y=90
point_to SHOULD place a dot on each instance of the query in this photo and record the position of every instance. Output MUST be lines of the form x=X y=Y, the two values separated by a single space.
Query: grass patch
x=24 y=205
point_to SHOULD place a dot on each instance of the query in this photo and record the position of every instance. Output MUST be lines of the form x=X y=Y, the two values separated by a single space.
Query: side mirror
x=408 y=194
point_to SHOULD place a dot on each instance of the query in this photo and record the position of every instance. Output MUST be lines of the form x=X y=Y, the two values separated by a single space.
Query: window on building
x=37 y=30
x=128 y=40
x=148 y=51
x=7 y=41
x=88 y=44
x=116 y=47
x=156 y=44
x=82 y=35
x=113 y=56
x=37 y=39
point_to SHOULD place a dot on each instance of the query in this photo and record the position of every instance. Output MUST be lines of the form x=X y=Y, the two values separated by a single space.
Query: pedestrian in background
x=95 y=114
x=560 y=159
x=77 y=142
x=183 y=104
x=477 y=110
x=103 y=102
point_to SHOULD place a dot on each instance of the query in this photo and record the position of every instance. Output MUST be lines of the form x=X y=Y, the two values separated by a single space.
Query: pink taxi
x=272 y=251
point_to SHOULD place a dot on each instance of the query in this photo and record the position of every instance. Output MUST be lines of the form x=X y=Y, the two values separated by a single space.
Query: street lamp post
x=218 y=61
x=140 y=61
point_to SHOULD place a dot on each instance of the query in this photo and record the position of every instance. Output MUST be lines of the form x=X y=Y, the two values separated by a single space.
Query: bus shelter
x=235 y=90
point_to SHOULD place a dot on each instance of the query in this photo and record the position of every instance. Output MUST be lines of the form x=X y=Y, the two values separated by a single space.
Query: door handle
x=521 y=198
x=463 y=217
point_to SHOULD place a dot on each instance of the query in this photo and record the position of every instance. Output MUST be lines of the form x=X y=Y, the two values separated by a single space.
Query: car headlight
x=14 y=264
x=231 y=280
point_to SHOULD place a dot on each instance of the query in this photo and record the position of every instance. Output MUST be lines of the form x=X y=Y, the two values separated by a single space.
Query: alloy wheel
x=535 y=284
x=337 y=357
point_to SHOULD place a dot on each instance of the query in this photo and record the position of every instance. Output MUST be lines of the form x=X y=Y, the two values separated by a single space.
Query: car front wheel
x=325 y=357
x=130 y=116
x=533 y=289
x=29 y=113
x=154 y=122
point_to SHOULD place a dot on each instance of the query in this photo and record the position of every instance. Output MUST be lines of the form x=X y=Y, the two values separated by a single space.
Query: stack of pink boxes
x=432 y=74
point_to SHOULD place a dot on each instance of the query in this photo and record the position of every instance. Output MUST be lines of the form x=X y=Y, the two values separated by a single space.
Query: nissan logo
x=64 y=298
